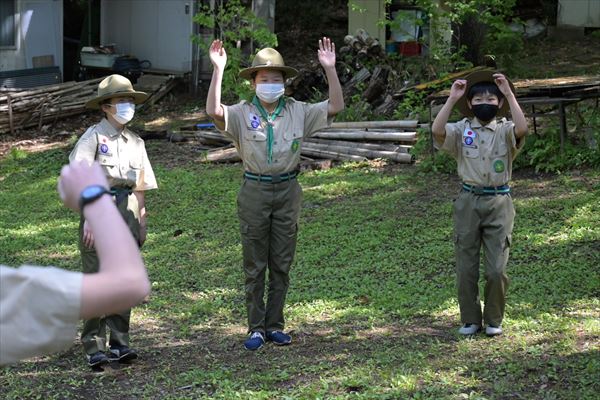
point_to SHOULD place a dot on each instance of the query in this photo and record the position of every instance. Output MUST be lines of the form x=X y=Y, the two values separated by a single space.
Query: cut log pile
x=23 y=108
x=343 y=141
x=375 y=85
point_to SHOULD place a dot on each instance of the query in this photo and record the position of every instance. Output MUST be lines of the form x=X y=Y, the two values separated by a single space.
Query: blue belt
x=288 y=176
x=486 y=190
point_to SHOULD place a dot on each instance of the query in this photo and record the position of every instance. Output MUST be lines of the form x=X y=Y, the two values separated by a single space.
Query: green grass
x=372 y=303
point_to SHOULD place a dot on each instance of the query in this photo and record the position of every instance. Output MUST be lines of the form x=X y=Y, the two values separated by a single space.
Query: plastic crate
x=98 y=59
x=409 y=48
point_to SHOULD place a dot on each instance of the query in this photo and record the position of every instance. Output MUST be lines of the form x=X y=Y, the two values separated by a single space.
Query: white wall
x=39 y=33
x=154 y=30
x=583 y=13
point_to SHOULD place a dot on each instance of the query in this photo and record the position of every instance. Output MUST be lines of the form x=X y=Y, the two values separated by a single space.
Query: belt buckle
x=275 y=178
x=478 y=190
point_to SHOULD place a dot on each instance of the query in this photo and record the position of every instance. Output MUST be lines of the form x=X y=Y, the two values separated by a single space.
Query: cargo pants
x=93 y=335
x=482 y=220
x=268 y=214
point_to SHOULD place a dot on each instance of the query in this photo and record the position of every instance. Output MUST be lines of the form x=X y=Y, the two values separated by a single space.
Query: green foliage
x=236 y=24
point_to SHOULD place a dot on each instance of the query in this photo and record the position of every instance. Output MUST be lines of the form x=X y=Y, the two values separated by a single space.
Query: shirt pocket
x=106 y=162
x=135 y=171
x=293 y=135
x=255 y=136
x=470 y=152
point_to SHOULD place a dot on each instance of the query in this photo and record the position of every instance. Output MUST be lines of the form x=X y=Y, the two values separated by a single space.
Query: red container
x=409 y=48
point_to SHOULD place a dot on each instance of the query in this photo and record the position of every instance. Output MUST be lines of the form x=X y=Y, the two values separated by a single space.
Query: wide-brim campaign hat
x=485 y=75
x=115 y=86
x=268 y=58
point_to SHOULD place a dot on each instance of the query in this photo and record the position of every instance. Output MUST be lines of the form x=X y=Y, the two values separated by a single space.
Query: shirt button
x=483 y=141
x=483 y=158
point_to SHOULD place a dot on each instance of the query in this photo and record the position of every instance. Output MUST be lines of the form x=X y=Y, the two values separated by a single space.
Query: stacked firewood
x=363 y=70
x=343 y=141
x=23 y=108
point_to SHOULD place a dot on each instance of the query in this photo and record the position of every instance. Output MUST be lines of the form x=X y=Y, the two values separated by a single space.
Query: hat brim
x=288 y=72
x=477 y=77
x=138 y=98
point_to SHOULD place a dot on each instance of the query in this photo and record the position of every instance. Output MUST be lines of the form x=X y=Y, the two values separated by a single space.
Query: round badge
x=254 y=124
x=104 y=148
x=499 y=166
x=468 y=140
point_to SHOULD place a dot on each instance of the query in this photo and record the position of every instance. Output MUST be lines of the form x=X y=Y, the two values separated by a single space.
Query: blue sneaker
x=255 y=341
x=121 y=353
x=279 y=338
x=97 y=359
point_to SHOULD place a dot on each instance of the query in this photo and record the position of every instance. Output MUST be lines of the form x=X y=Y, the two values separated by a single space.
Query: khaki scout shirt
x=484 y=154
x=248 y=130
x=39 y=311
x=122 y=155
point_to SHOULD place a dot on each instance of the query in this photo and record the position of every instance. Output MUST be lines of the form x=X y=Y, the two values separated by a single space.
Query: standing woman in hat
x=122 y=155
x=484 y=148
x=267 y=133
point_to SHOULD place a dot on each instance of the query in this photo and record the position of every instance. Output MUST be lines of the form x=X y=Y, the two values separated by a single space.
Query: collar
x=282 y=111
x=475 y=123
x=110 y=130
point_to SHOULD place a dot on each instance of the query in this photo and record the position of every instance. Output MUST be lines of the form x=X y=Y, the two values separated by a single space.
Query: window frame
x=15 y=29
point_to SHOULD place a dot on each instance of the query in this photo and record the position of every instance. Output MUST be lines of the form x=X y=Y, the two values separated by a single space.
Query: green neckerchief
x=270 y=120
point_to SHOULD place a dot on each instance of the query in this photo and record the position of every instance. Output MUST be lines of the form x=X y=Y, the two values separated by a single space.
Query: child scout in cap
x=484 y=148
x=122 y=155
x=268 y=133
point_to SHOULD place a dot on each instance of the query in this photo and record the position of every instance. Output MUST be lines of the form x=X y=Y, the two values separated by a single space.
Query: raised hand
x=458 y=89
x=503 y=84
x=217 y=54
x=326 y=53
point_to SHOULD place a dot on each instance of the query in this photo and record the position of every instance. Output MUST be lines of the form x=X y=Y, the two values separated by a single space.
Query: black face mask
x=485 y=112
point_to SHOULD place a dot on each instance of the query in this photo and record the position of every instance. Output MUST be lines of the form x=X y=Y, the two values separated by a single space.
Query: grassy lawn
x=372 y=304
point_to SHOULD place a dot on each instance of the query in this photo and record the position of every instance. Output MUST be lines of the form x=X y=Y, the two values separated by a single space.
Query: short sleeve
x=452 y=138
x=86 y=147
x=316 y=117
x=515 y=145
x=147 y=179
x=39 y=311
x=234 y=121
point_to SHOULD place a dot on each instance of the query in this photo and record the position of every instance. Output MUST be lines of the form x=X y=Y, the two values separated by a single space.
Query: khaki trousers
x=93 y=335
x=268 y=214
x=482 y=220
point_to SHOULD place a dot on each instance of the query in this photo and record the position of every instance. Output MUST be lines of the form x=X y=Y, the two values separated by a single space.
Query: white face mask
x=269 y=92
x=125 y=112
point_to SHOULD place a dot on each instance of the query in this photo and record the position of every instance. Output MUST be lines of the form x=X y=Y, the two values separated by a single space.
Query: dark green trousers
x=268 y=216
x=482 y=221
x=93 y=335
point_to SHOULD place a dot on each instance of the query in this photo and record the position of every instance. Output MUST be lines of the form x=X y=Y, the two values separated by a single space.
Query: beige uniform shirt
x=484 y=154
x=122 y=155
x=248 y=130
x=39 y=311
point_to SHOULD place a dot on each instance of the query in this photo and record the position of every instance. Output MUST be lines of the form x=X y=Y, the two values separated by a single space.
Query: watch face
x=91 y=192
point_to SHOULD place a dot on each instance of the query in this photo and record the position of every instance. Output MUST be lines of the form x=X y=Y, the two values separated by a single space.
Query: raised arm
x=122 y=280
x=438 y=128
x=326 y=55
x=515 y=110
x=218 y=58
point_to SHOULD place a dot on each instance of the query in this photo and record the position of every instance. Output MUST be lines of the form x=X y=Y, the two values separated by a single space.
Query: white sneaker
x=469 y=329
x=493 y=330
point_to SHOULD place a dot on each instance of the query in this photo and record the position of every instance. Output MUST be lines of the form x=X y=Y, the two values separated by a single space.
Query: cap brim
x=138 y=98
x=477 y=77
x=288 y=72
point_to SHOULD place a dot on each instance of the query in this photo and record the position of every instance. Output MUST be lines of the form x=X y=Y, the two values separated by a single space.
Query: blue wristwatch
x=91 y=194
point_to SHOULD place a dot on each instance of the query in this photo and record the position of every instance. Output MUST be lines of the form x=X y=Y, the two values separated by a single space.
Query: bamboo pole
x=366 y=135
x=399 y=148
x=371 y=154
x=375 y=124
x=331 y=155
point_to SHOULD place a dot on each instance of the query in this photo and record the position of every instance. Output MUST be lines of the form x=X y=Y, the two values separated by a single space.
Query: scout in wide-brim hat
x=115 y=86
x=268 y=58
x=486 y=75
